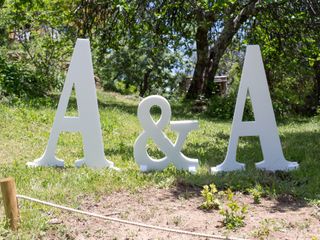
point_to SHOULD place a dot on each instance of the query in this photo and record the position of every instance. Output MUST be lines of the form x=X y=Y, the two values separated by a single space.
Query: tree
x=231 y=15
x=142 y=67
x=36 y=44
x=139 y=54
x=211 y=25
x=290 y=46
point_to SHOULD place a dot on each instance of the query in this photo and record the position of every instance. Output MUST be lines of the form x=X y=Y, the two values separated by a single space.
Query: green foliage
x=143 y=68
x=121 y=87
x=257 y=192
x=291 y=62
x=209 y=196
x=221 y=107
x=147 y=47
x=234 y=214
x=35 y=49
x=18 y=80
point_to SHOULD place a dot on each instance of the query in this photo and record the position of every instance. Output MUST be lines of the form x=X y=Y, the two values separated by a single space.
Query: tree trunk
x=219 y=47
x=199 y=73
x=216 y=53
x=145 y=84
x=316 y=68
x=208 y=60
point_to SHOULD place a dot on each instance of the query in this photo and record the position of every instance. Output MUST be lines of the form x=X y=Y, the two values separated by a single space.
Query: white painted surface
x=254 y=82
x=153 y=130
x=80 y=74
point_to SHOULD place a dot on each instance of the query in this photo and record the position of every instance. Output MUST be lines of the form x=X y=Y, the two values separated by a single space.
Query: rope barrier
x=106 y=217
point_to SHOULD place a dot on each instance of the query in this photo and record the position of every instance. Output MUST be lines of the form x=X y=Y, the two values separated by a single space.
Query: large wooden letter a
x=254 y=82
x=80 y=74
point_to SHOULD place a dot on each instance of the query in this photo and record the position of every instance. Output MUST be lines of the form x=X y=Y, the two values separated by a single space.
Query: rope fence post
x=9 y=196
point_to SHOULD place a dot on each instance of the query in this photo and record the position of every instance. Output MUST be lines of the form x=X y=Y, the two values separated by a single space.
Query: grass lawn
x=24 y=133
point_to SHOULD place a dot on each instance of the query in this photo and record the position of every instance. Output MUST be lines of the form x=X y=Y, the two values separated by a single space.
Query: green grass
x=24 y=133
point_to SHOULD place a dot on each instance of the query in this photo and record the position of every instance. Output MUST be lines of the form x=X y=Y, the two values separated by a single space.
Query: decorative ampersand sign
x=153 y=130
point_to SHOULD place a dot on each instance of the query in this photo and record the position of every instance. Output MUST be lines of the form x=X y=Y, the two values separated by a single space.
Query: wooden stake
x=8 y=189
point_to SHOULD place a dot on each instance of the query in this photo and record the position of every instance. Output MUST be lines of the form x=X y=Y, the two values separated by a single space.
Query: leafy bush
x=234 y=214
x=18 y=80
x=35 y=48
x=257 y=192
x=222 y=107
x=210 y=200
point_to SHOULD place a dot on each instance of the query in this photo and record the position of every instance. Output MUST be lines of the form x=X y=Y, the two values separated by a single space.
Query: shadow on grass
x=302 y=183
x=291 y=189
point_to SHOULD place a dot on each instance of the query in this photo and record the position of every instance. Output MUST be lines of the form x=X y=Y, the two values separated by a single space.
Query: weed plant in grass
x=24 y=133
x=234 y=214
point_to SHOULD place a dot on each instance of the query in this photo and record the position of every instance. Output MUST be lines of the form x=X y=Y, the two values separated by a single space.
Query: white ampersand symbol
x=153 y=130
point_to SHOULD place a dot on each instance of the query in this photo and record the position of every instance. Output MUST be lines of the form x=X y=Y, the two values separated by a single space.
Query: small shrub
x=264 y=230
x=221 y=107
x=234 y=214
x=18 y=79
x=209 y=195
x=257 y=192
x=123 y=88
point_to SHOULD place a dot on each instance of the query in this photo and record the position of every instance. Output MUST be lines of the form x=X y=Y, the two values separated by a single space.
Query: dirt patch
x=179 y=209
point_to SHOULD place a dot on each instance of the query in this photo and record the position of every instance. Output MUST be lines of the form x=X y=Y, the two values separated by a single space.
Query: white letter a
x=254 y=81
x=80 y=74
